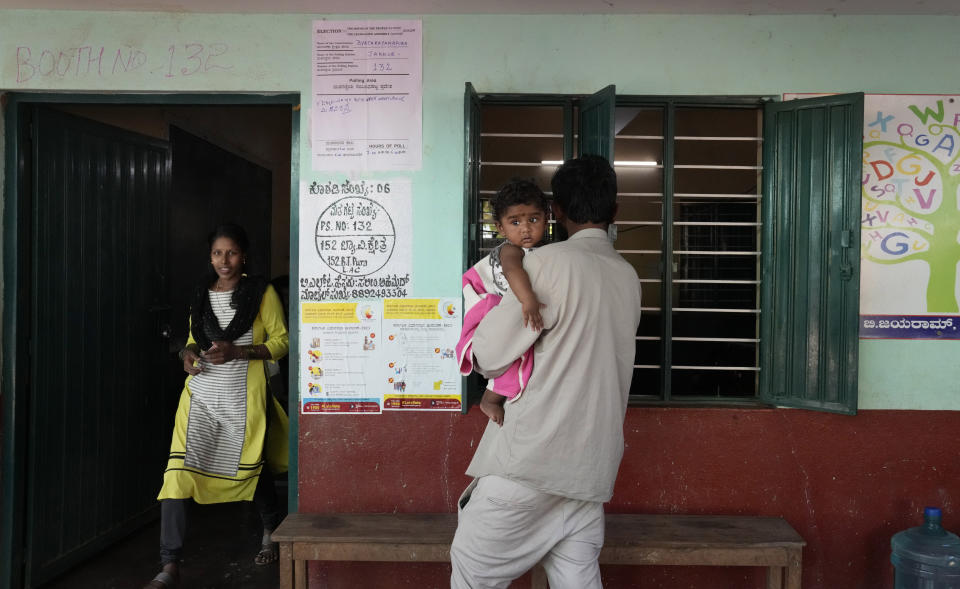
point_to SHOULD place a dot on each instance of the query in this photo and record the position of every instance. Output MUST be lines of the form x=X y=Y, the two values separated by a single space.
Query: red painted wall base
x=846 y=484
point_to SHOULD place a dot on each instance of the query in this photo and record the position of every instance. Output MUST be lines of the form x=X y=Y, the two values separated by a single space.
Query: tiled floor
x=221 y=543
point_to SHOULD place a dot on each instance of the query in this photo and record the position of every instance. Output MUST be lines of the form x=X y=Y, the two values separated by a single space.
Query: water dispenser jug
x=927 y=556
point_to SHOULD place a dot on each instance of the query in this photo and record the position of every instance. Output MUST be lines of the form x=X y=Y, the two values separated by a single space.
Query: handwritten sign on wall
x=178 y=60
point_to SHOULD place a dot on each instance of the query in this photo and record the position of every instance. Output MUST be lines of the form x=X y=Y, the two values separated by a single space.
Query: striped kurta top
x=215 y=428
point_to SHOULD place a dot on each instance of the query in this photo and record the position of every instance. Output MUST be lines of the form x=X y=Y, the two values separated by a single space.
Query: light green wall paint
x=660 y=54
x=896 y=374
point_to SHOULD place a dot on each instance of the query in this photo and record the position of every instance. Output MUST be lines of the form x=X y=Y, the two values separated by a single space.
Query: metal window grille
x=689 y=193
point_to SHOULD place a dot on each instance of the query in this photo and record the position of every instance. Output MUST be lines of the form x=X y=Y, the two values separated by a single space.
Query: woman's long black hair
x=245 y=299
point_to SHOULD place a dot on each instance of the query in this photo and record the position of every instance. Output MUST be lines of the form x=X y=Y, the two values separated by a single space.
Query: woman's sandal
x=269 y=553
x=163 y=580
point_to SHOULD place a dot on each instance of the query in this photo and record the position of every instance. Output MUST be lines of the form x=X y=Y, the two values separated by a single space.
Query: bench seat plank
x=380 y=552
x=693 y=531
x=368 y=528
x=631 y=539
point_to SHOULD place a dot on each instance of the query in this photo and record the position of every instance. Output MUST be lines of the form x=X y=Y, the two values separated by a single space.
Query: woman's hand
x=221 y=352
x=189 y=359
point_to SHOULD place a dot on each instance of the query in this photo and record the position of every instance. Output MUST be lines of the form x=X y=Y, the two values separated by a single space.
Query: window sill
x=702 y=403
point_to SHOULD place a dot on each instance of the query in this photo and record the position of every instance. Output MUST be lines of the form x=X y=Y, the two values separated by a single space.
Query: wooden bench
x=631 y=539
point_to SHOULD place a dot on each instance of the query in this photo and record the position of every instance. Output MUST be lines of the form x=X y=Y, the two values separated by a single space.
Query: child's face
x=523 y=225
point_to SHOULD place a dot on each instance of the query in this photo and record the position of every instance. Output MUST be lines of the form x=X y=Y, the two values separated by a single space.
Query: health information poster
x=380 y=355
x=338 y=370
x=418 y=348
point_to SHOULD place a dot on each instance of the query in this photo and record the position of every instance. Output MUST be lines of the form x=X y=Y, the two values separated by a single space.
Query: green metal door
x=598 y=123
x=97 y=432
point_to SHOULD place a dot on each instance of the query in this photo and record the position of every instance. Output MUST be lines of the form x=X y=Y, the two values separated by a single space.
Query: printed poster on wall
x=418 y=349
x=371 y=356
x=367 y=93
x=355 y=240
x=339 y=367
x=910 y=218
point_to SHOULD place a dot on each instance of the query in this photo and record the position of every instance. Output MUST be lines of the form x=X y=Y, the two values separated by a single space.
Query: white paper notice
x=367 y=90
x=355 y=240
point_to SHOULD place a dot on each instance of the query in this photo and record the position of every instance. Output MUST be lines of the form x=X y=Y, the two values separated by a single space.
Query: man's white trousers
x=506 y=528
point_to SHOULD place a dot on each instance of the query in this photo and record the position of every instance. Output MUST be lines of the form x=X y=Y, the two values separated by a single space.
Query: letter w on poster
x=367 y=93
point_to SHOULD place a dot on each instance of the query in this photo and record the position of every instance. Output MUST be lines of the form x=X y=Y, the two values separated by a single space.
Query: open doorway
x=114 y=200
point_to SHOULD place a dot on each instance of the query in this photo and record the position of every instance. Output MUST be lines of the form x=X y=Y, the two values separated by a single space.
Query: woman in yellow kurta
x=230 y=435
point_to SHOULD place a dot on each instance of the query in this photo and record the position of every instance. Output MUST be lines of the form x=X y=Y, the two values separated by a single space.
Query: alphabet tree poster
x=910 y=221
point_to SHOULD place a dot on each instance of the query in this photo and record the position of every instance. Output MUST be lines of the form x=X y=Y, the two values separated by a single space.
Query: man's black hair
x=518 y=191
x=585 y=189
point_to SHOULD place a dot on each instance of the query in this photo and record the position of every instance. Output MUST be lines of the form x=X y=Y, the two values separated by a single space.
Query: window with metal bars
x=515 y=140
x=690 y=221
x=713 y=224
x=689 y=177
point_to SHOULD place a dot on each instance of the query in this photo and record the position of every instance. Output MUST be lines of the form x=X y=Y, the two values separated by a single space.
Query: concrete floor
x=218 y=554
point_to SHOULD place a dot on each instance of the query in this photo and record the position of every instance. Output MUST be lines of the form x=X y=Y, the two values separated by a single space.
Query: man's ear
x=616 y=209
x=558 y=214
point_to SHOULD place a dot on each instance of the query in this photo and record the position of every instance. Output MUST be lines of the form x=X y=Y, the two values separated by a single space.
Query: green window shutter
x=471 y=386
x=811 y=259
x=598 y=123
x=471 y=176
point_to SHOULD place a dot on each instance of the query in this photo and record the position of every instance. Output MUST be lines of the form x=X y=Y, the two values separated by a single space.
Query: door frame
x=14 y=348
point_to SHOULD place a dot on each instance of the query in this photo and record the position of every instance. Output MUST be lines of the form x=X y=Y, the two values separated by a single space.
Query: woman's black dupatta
x=246 y=299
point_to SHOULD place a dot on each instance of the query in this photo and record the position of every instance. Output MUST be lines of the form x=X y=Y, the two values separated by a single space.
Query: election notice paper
x=367 y=94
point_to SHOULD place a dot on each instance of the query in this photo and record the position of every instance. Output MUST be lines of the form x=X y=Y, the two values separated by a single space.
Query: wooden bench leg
x=286 y=565
x=539 y=578
x=300 y=574
x=794 y=569
x=774 y=577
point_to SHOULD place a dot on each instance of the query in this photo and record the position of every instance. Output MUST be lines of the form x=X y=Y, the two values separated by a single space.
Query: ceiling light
x=625 y=163
x=635 y=163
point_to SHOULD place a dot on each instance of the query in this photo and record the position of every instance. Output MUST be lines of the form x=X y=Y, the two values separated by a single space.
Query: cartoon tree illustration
x=911 y=203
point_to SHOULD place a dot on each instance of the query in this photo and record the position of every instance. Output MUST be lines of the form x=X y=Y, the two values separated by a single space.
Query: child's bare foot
x=492 y=410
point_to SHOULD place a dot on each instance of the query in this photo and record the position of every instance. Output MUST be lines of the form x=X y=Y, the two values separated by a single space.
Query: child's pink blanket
x=479 y=296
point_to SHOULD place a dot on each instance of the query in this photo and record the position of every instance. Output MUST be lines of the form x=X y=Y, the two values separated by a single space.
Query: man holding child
x=541 y=478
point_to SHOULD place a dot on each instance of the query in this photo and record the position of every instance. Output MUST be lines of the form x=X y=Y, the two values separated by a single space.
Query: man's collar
x=589 y=232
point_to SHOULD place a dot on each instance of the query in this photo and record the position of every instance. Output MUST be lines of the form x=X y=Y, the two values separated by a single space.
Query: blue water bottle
x=926 y=557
